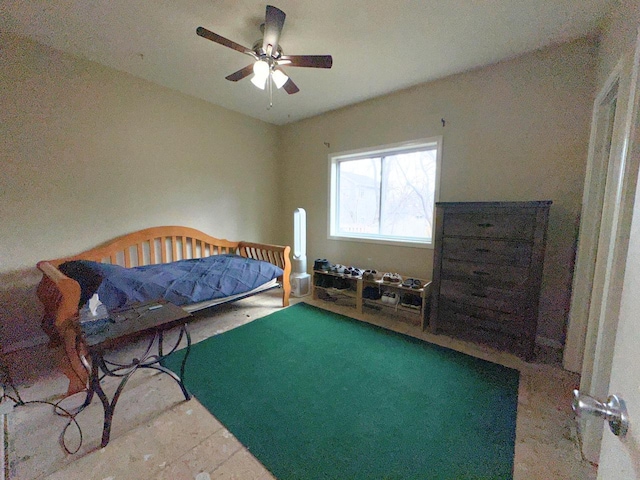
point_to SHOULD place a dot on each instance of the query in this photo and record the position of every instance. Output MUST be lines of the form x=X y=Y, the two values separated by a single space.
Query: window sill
x=382 y=241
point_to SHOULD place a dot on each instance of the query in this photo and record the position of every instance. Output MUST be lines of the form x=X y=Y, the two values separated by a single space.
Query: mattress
x=203 y=281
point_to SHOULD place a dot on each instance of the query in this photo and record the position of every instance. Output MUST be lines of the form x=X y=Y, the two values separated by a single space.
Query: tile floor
x=157 y=435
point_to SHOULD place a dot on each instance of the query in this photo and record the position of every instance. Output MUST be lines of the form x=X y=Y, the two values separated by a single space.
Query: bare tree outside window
x=391 y=196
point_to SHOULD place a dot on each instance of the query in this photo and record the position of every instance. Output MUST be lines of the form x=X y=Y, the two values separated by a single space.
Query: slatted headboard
x=168 y=244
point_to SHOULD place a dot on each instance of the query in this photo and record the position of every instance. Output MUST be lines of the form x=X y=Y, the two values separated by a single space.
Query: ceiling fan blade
x=240 y=74
x=290 y=87
x=214 y=37
x=314 y=61
x=274 y=21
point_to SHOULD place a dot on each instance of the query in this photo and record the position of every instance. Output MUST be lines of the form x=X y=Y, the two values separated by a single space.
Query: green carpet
x=313 y=394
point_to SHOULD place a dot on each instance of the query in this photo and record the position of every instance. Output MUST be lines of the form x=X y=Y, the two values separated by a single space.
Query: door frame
x=611 y=248
x=589 y=233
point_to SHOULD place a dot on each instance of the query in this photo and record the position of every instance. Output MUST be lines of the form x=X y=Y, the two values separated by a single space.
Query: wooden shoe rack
x=352 y=288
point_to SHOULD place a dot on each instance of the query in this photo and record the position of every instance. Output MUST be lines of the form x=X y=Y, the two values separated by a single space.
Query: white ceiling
x=377 y=46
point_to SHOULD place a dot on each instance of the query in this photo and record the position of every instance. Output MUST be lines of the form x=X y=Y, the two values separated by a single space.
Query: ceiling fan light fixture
x=260 y=74
x=279 y=78
x=259 y=81
x=261 y=69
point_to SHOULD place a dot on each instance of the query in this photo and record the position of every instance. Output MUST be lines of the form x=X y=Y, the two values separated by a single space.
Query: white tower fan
x=300 y=279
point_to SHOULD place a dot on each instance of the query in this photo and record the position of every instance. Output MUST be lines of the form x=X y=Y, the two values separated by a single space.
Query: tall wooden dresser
x=487 y=272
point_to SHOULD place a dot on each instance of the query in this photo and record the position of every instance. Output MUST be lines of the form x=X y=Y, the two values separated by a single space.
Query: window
x=385 y=194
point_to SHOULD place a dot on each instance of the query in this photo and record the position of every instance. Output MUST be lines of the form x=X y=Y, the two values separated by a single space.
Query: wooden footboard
x=277 y=255
x=60 y=295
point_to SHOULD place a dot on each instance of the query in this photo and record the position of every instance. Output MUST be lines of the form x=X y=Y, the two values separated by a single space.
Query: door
x=612 y=249
x=620 y=457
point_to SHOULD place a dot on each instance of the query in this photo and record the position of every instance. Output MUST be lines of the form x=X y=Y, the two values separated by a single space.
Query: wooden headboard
x=60 y=294
x=156 y=245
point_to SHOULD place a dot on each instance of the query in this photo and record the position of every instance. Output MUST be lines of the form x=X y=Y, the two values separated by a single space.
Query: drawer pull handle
x=483 y=250
x=485 y=225
x=479 y=295
x=480 y=272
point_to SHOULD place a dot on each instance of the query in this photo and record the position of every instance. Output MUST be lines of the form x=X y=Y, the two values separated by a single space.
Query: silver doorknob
x=613 y=411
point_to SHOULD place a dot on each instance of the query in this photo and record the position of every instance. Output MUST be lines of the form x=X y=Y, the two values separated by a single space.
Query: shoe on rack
x=408 y=283
x=393 y=298
x=322 y=295
x=410 y=300
x=322 y=264
x=353 y=271
x=392 y=278
x=372 y=275
x=371 y=293
x=340 y=283
x=327 y=281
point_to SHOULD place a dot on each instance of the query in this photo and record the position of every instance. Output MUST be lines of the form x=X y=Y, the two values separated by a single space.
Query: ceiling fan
x=268 y=55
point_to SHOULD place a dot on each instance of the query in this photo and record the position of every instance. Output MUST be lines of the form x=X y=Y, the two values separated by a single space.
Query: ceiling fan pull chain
x=270 y=91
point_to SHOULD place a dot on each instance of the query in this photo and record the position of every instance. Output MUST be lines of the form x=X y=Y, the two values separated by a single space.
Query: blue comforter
x=181 y=283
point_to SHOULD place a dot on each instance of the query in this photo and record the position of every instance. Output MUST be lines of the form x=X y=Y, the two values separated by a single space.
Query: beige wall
x=517 y=130
x=89 y=153
x=83 y=143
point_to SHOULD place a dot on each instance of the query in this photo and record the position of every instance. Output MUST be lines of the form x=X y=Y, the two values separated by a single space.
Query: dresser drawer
x=508 y=301
x=489 y=225
x=477 y=250
x=485 y=274
x=456 y=316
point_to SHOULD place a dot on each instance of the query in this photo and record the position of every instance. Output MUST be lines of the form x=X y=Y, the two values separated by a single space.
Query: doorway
x=602 y=244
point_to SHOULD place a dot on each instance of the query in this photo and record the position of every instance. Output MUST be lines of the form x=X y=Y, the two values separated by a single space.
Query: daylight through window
x=386 y=194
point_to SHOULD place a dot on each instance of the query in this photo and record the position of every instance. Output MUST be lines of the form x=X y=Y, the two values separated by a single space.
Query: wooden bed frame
x=60 y=295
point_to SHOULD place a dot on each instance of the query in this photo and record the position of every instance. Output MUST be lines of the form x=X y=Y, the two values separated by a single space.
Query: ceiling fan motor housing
x=257 y=48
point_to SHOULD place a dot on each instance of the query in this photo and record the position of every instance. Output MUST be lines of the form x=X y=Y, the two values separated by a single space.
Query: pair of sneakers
x=412 y=283
x=353 y=271
x=340 y=283
x=324 y=281
x=322 y=264
x=372 y=293
x=392 y=278
x=370 y=274
x=410 y=300
x=390 y=298
x=338 y=268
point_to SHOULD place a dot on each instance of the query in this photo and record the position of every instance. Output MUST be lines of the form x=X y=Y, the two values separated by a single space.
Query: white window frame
x=403 y=147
